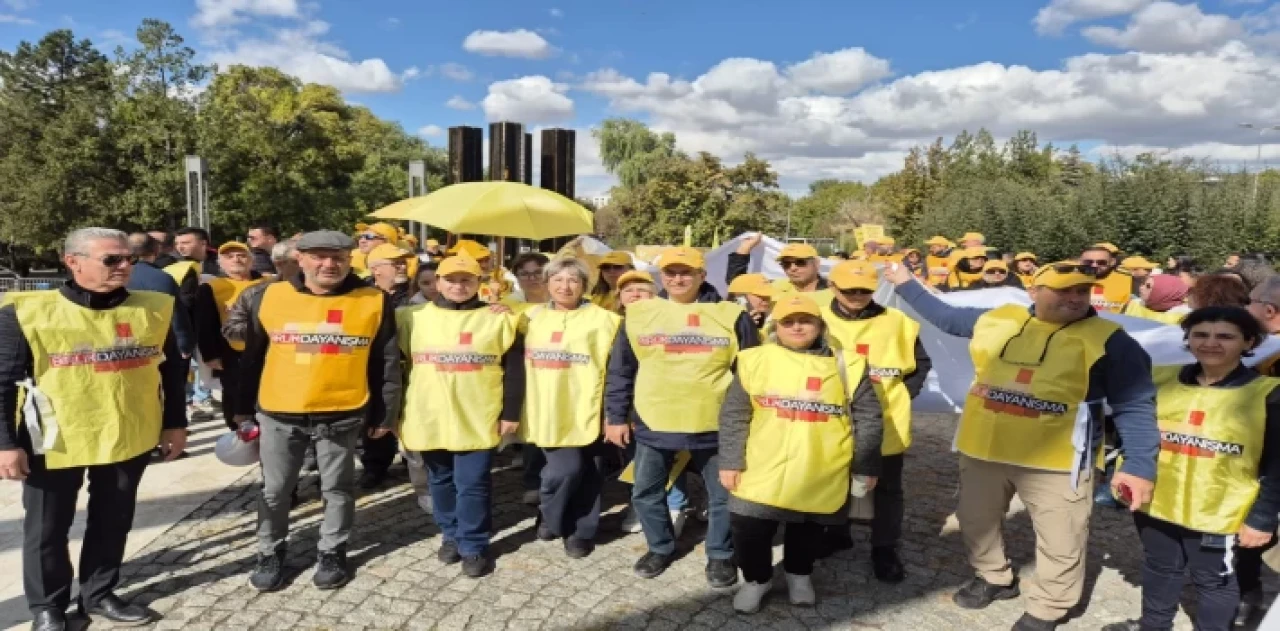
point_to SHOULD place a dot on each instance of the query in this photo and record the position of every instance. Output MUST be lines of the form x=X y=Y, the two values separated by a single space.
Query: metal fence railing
x=27 y=284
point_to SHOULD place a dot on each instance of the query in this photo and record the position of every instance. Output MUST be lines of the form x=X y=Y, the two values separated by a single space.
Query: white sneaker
x=678 y=518
x=748 y=598
x=800 y=590
x=631 y=521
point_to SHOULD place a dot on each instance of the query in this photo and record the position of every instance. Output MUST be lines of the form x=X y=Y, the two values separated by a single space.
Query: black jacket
x=262 y=262
x=512 y=362
x=209 y=324
x=147 y=276
x=16 y=364
x=383 y=372
x=620 y=384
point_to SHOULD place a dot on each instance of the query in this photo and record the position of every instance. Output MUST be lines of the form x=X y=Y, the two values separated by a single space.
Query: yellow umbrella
x=503 y=209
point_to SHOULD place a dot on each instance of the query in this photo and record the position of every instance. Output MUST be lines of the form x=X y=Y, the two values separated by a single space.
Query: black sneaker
x=886 y=565
x=268 y=576
x=1029 y=622
x=476 y=566
x=652 y=564
x=1250 y=604
x=721 y=573
x=576 y=548
x=331 y=570
x=545 y=534
x=834 y=539
x=370 y=480
x=1127 y=625
x=448 y=553
x=977 y=593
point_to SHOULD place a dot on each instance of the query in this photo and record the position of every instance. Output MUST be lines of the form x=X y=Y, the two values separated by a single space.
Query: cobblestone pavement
x=196 y=574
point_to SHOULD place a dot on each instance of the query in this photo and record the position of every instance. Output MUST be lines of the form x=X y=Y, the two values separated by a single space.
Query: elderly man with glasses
x=1032 y=422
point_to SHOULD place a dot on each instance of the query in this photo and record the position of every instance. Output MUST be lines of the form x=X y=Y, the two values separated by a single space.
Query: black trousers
x=1171 y=553
x=886 y=525
x=1249 y=566
x=230 y=378
x=753 y=546
x=570 y=489
x=49 y=498
x=378 y=453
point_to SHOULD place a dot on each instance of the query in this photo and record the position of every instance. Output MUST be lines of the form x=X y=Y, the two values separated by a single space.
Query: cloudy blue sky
x=820 y=88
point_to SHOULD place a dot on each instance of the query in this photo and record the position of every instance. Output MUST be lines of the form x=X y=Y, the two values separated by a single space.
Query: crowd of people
x=789 y=398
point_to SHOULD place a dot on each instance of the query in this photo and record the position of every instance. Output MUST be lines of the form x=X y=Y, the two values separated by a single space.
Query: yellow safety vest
x=318 y=356
x=685 y=353
x=1026 y=279
x=1022 y=409
x=225 y=293
x=1113 y=292
x=888 y=343
x=1136 y=309
x=1210 y=446
x=960 y=280
x=565 y=357
x=800 y=446
x=937 y=262
x=99 y=370
x=454 y=393
x=359 y=263
x=180 y=270
x=607 y=301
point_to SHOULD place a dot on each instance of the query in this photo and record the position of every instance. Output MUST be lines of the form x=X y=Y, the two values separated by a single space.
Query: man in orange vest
x=321 y=365
x=103 y=382
x=213 y=299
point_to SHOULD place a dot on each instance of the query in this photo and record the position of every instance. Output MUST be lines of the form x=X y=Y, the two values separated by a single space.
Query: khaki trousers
x=1059 y=514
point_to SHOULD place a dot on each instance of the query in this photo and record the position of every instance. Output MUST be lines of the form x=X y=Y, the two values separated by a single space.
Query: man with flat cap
x=320 y=365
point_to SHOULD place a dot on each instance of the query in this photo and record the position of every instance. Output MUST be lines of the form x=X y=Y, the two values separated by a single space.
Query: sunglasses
x=789 y=263
x=1071 y=268
x=1095 y=262
x=612 y=268
x=997 y=272
x=113 y=260
x=371 y=237
x=857 y=292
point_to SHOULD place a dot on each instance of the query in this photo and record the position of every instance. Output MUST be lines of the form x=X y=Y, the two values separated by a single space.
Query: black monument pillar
x=557 y=170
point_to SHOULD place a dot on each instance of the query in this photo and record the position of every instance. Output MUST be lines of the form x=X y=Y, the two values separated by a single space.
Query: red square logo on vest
x=557 y=337
x=814 y=384
x=464 y=339
x=1196 y=417
x=694 y=320
x=863 y=349
x=334 y=316
x=1025 y=375
x=1097 y=289
x=124 y=329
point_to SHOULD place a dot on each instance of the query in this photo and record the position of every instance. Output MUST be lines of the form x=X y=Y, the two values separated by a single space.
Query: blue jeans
x=197 y=392
x=677 y=498
x=649 y=500
x=460 y=491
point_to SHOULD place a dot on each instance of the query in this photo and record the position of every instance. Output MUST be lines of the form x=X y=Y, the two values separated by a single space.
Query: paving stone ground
x=196 y=573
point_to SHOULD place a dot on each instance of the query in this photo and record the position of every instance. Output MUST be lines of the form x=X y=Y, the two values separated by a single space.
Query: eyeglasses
x=371 y=237
x=529 y=275
x=856 y=292
x=612 y=268
x=789 y=263
x=112 y=260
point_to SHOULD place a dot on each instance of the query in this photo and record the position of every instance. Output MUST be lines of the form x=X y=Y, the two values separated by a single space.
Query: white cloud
x=393 y=23
x=19 y=5
x=459 y=103
x=519 y=43
x=301 y=52
x=1168 y=27
x=14 y=19
x=456 y=72
x=411 y=73
x=222 y=13
x=1060 y=14
x=430 y=131
x=529 y=100
x=840 y=72
x=556 y=13
x=1171 y=100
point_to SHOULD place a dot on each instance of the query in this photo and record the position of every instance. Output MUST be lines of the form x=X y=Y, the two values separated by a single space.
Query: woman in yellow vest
x=1218 y=474
x=1162 y=299
x=567 y=342
x=465 y=390
x=213 y=300
x=753 y=293
x=634 y=286
x=938 y=262
x=966 y=268
x=612 y=266
x=1024 y=266
x=889 y=343
x=787 y=441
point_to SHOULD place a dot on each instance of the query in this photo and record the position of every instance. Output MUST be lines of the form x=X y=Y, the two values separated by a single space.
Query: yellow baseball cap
x=973 y=236
x=886 y=240
x=460 y=263
x=974 y=252
x=1110 y=247
x=384 y=230
x=1137 y=262
x=1025 y=256
x=798 y=251
x=938 y=240
x=634 y=276
x=795 y=304
x=855 y=275
x=754 y=284
x=432 y=243
x=1063 y=275
x=472 y=248
x=232 y=245
x=995 y=264
x=617 y=257
x=387 y=252
x=681 y=256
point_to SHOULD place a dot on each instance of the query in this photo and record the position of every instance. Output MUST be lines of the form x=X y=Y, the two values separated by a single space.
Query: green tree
x=630 y=150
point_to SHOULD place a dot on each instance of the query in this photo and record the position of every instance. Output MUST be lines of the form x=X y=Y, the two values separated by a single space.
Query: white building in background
x=600 y=201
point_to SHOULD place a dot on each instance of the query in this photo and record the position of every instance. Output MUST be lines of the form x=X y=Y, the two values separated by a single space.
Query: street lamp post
x=1262 y=130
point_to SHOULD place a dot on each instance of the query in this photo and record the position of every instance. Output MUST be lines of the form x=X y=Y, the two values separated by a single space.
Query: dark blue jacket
x=149 y=278
x=620 y=384
x=1122 y=377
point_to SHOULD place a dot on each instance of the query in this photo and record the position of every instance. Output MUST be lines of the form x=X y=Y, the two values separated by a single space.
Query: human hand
x=214 y=364
x=729 y=479
x=507 y=428
x=498 y=307
x=749 y=243
x=13 y=465
x=1131 y=489
x=1250 y=538
x=898 y=274
x=172 y=443
x=378 y=432
x=619 y=435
